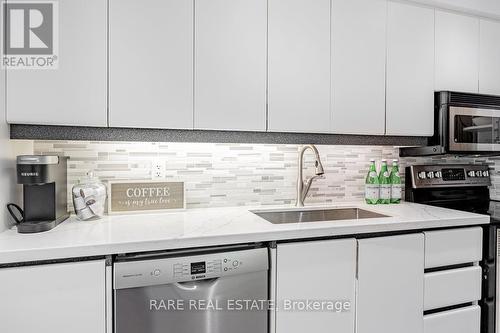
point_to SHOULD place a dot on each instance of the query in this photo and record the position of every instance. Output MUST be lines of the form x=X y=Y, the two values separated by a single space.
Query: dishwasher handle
x=195 y=285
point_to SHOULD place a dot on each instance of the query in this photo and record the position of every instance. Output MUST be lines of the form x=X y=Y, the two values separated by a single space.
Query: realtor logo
x=30 y=32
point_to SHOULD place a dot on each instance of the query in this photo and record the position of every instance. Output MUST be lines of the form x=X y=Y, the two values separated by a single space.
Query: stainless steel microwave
x=463 y=124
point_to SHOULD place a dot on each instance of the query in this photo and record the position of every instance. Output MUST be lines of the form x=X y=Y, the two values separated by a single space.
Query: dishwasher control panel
x=129 y=274
x=195 y=269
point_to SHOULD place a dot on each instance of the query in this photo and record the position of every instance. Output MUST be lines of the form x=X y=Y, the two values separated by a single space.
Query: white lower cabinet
x=453 y=247
x=463 y=320
x=390 y=284
x=452 y=287
x=55 y=298
x=315 y=271
x=446 y=287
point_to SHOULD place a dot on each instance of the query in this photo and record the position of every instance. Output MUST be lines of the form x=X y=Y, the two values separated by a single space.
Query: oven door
x=474 y=130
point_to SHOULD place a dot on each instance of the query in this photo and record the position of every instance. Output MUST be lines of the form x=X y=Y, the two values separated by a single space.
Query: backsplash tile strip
x=224 y=174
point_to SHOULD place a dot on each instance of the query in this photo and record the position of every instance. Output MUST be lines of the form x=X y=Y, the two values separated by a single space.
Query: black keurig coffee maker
x=44 y=180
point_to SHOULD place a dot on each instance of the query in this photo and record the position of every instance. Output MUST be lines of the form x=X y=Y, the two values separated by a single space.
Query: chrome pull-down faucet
x=304 y=186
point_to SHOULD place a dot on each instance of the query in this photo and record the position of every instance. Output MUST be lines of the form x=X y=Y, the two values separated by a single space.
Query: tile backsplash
x=217 y=175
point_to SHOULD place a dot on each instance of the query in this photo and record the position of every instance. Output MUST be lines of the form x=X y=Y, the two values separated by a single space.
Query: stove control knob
x=486 y=173
x=422 y=175
x=471 y=174
x=479 y=173
x=430 y=174
x=438 y=174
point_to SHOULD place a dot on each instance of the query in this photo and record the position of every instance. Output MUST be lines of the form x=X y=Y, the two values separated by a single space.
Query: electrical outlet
x=158 y=169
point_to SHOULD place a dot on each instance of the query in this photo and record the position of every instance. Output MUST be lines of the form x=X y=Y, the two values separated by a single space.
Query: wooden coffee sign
x=145 y=196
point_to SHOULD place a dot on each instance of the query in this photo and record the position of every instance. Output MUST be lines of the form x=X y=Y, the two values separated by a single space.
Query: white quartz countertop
x=211 y=227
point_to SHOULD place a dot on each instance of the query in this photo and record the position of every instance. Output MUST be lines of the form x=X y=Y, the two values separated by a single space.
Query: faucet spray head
x=319 y=168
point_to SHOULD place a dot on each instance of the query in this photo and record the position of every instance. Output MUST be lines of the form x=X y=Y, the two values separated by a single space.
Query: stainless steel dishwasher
x=212 y=291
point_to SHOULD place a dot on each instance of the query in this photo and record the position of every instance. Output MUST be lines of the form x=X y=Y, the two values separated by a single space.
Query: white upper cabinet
x=489 y=57
x=410 y=70
x=457 y=52
x=230 y=64
x=75 y=92
x=299 y=66
x=317 y=270
x=365 y=67
x=358 y=66
x=390 y=284
x=151 y=63
x=480 y=7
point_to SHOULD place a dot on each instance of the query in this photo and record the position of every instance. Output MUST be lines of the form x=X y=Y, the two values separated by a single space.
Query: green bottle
x=372 y=185
x=384 y=179
x=395 y=183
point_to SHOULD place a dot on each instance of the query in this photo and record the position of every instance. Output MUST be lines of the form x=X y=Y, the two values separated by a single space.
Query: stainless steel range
x=465 y=187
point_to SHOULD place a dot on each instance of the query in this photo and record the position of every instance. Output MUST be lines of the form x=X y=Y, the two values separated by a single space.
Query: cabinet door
x=230 y=64
x=68 y=297
x=151 y=63
x=358 y=66
x=457 y=52
x=321 y=271
x=75 y=92
x=489 y=57
x=390 y=284
x=299 y=62
x=410 y=70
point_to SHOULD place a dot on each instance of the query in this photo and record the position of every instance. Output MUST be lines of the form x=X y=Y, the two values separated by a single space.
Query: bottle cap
x=384 y=160
x=372 y=160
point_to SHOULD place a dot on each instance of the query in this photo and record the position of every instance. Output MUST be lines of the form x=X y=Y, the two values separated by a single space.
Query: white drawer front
x=451 y=247
x=452 y=287
x=465 y=320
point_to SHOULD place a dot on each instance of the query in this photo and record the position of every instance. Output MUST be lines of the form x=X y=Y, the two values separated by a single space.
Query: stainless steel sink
x=301 y=216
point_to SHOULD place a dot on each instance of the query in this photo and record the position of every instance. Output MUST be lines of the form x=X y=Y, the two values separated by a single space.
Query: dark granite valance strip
x=39 y=132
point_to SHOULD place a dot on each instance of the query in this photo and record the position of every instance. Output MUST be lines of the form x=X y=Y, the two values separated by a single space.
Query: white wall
x=9 y=191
